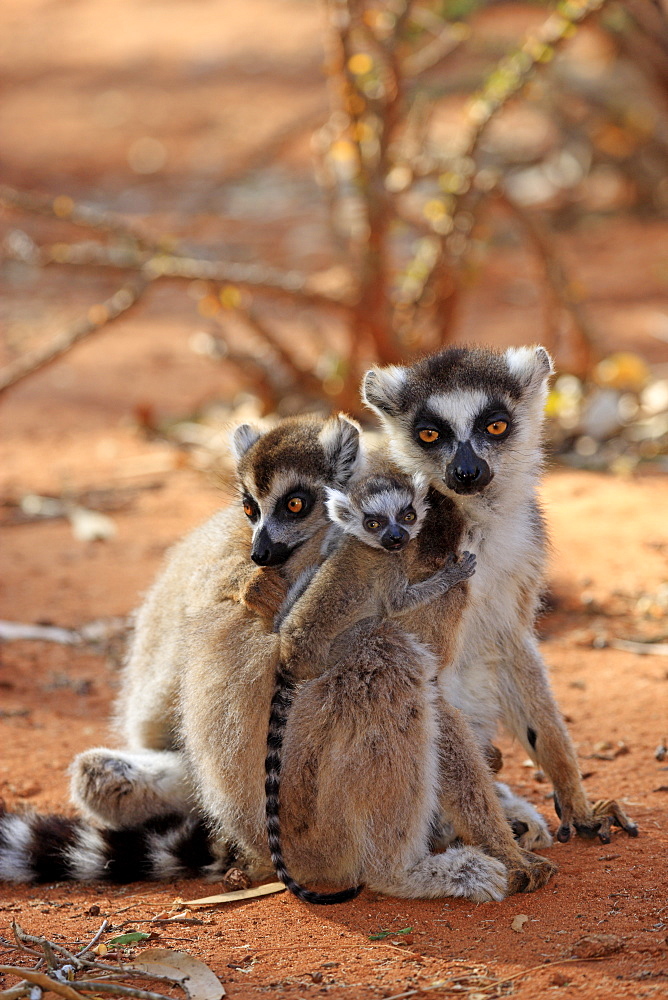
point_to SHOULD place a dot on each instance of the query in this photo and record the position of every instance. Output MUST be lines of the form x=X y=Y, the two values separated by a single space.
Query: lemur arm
x=336 y=599
x=436 y=585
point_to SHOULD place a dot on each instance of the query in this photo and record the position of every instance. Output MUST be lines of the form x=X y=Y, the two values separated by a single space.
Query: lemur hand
x=264 y=593
x=457 y=570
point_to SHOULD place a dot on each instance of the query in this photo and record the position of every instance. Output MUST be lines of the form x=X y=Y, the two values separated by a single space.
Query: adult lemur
x=470 y=420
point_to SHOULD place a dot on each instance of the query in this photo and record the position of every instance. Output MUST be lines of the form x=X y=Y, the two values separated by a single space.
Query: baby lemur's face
x=465 y=418
x=382 y=511
x=282 y=475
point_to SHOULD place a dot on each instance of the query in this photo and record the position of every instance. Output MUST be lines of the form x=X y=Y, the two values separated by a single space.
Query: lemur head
x=282 y=475
x=384 y=511
x=465 y=417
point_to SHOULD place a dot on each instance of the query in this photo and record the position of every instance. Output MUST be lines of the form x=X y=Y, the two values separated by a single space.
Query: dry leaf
x=518 y=922
x=100 y=949
x=233 y=897
x=196 y=978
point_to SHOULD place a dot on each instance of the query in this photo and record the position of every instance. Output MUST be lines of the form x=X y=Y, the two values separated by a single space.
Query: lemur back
x=366 y=577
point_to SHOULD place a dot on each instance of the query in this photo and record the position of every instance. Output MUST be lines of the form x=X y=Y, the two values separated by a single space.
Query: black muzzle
x=467 y=472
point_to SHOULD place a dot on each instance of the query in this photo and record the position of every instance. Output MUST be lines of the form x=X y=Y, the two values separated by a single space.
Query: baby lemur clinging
x=365 y=578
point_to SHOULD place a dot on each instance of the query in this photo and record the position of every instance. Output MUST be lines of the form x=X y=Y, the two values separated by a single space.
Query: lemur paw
x=531 y=873
x=604 y=814
x=457 y=570
x=473 y=875
x=265 y=593
x=528 y=826
x=120 y=788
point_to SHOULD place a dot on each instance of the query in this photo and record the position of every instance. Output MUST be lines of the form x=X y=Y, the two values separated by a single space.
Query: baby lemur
x=365 y=578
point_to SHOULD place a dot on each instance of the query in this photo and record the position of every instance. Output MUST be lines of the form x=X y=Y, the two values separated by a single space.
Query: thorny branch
x=61 y=979
x=98 y=317
x=561 y=288
x=369 y=164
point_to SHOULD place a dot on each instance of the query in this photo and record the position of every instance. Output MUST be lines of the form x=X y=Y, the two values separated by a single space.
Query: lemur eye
x=295 y=505
x=497 y=427
x=409 y=516
x=248 y=509
x=428 y=435
x=371 y=524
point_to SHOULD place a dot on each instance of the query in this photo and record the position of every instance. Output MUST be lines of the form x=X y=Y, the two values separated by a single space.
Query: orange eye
x=497 y=427
x=410 y=516
x=371 y=525
x=295 y=505
x=248 y=510
x=428 y=435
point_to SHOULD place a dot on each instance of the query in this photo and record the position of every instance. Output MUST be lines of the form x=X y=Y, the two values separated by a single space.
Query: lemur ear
x=243 y=438
x=340 y=440
x=382 y=389
x=420 y=484
x=531 y=365
x=421 y=488
x=338 y=507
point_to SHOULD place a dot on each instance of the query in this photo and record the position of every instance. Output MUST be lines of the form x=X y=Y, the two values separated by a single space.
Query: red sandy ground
x=71 y=428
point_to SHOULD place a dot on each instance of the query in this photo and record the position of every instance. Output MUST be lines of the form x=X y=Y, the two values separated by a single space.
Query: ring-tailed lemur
x=365 y=578
x=471 y=421
x=202 y=667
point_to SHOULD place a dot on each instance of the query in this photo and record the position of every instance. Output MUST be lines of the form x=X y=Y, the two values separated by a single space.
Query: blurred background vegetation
x=306 y=188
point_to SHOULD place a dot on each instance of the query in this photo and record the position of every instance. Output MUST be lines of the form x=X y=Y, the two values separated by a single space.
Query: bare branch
x=98 y=317
x=46 y=982
x=555 y=274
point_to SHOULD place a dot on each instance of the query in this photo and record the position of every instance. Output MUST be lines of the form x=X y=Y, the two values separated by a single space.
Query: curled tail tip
x=323 y=898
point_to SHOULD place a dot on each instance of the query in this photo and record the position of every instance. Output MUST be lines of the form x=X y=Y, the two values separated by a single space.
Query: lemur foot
x=604 y=814
x=121 y=788
x=474 y=875
x=531 y=873
x=529 y=827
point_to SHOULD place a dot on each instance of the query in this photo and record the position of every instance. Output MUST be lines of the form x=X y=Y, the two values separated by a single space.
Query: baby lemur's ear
x=340 y=440
x=420 y=490
x=531 y=365
x=243 y=438
x=339 y=508
x=382 y=389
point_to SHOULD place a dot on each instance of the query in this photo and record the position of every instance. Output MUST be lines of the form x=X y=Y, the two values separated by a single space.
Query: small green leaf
x=130 y=938
x=379 y=936
x=404 y=930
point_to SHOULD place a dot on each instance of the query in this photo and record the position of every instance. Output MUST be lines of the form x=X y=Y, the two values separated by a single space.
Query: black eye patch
x=251 y=509
x=494 y=423
x=425 y=425
x=295 y=504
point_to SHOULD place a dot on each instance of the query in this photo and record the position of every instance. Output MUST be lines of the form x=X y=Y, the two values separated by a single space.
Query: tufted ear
x=382 y=389
x=421 y=488
x=339 y=508
x=243 y=438
x=420 y=484
x=340 y=440
x=531 y=365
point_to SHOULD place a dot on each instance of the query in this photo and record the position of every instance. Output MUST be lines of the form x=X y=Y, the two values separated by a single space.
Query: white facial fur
x=387 y=503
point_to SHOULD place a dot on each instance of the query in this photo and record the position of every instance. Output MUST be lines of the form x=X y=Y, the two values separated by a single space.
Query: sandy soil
x=72 y=429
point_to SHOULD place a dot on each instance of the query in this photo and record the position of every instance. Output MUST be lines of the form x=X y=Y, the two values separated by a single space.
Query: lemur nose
x=466 y=473
x=261 y=558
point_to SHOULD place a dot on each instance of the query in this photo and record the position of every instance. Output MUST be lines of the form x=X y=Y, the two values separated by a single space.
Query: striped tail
x=51 y=848
x=280 y=707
